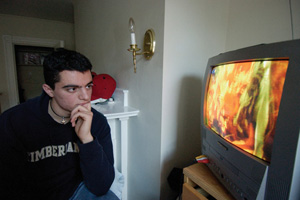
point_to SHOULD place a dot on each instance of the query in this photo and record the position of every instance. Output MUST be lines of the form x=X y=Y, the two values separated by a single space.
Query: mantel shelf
x=115 y=110
x=118 y=108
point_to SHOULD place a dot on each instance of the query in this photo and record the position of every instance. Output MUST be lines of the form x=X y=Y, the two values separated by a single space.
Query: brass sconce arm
x=134 y=49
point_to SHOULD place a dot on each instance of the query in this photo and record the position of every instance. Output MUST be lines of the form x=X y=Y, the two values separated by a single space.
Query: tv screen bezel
x=210 y=69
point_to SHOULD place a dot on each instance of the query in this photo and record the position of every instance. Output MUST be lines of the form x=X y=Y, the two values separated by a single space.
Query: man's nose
x=84 y=94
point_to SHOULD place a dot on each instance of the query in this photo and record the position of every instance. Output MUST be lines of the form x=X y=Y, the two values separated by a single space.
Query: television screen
x=242 y=103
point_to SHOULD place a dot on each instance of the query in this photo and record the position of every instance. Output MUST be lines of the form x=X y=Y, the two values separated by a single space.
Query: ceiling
x=59 y=10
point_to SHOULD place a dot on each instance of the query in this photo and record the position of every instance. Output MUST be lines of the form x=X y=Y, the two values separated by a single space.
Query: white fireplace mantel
x=118 y=113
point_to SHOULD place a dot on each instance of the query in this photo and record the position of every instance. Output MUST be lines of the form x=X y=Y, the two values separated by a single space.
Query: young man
x=56 y=146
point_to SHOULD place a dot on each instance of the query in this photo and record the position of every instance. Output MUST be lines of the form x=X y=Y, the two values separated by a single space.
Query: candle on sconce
x=131 y=27
x=133 y=38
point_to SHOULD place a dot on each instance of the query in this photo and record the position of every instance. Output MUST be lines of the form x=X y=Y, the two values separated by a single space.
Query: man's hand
x=81 y=119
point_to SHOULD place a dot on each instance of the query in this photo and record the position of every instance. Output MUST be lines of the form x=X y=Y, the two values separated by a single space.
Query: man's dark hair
x=63 y=59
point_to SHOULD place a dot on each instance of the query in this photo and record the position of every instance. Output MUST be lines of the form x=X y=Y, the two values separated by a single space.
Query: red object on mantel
x=104 y=86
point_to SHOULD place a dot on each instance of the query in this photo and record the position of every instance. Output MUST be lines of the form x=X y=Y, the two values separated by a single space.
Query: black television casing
x=245 y=176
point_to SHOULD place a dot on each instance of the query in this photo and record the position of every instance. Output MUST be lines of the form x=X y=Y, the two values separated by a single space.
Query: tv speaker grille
x=277 y=188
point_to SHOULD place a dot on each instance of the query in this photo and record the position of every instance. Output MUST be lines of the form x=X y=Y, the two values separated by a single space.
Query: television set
x=250 y=120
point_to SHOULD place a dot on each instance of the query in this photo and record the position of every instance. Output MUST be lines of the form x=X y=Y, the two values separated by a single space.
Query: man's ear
x=48 y=90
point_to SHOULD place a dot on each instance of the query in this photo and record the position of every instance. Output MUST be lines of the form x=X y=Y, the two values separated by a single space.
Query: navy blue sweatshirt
x=42 y=159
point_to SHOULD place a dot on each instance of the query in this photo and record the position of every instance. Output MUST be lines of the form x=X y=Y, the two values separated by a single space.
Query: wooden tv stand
x=199 y=176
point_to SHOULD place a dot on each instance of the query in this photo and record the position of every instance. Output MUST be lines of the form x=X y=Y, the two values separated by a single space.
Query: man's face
x=73 y=89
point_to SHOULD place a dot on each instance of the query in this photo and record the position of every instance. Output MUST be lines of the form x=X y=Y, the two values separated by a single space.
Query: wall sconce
x=149 y=43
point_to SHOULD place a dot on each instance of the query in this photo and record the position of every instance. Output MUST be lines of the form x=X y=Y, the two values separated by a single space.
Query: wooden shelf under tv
x=198 y=176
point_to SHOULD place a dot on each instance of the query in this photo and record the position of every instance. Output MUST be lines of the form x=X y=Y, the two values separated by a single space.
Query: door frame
x=10 y=61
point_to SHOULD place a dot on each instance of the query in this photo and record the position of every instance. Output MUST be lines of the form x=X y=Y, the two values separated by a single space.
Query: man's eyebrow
x=89 y=83
x=67 y=86
x=76 y=86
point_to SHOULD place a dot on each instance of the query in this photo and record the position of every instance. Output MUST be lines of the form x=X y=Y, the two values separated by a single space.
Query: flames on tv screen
x=242 y=103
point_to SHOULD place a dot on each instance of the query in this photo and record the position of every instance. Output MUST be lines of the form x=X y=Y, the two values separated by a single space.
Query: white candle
x=131 y=27
x=132 y=38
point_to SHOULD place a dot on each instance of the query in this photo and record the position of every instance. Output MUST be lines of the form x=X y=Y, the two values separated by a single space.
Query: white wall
x=101 y=32
x=192 y=35
x=30 y=27
x=167 y=89
x=256 y=22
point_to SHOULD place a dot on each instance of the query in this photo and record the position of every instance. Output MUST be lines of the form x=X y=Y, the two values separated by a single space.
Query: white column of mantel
x=124 y=155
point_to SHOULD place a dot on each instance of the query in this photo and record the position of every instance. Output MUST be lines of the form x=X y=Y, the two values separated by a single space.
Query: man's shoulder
x=99 y=121
x=20 y=110
x=13 y=118
x=98 y=115
x=15 y=110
